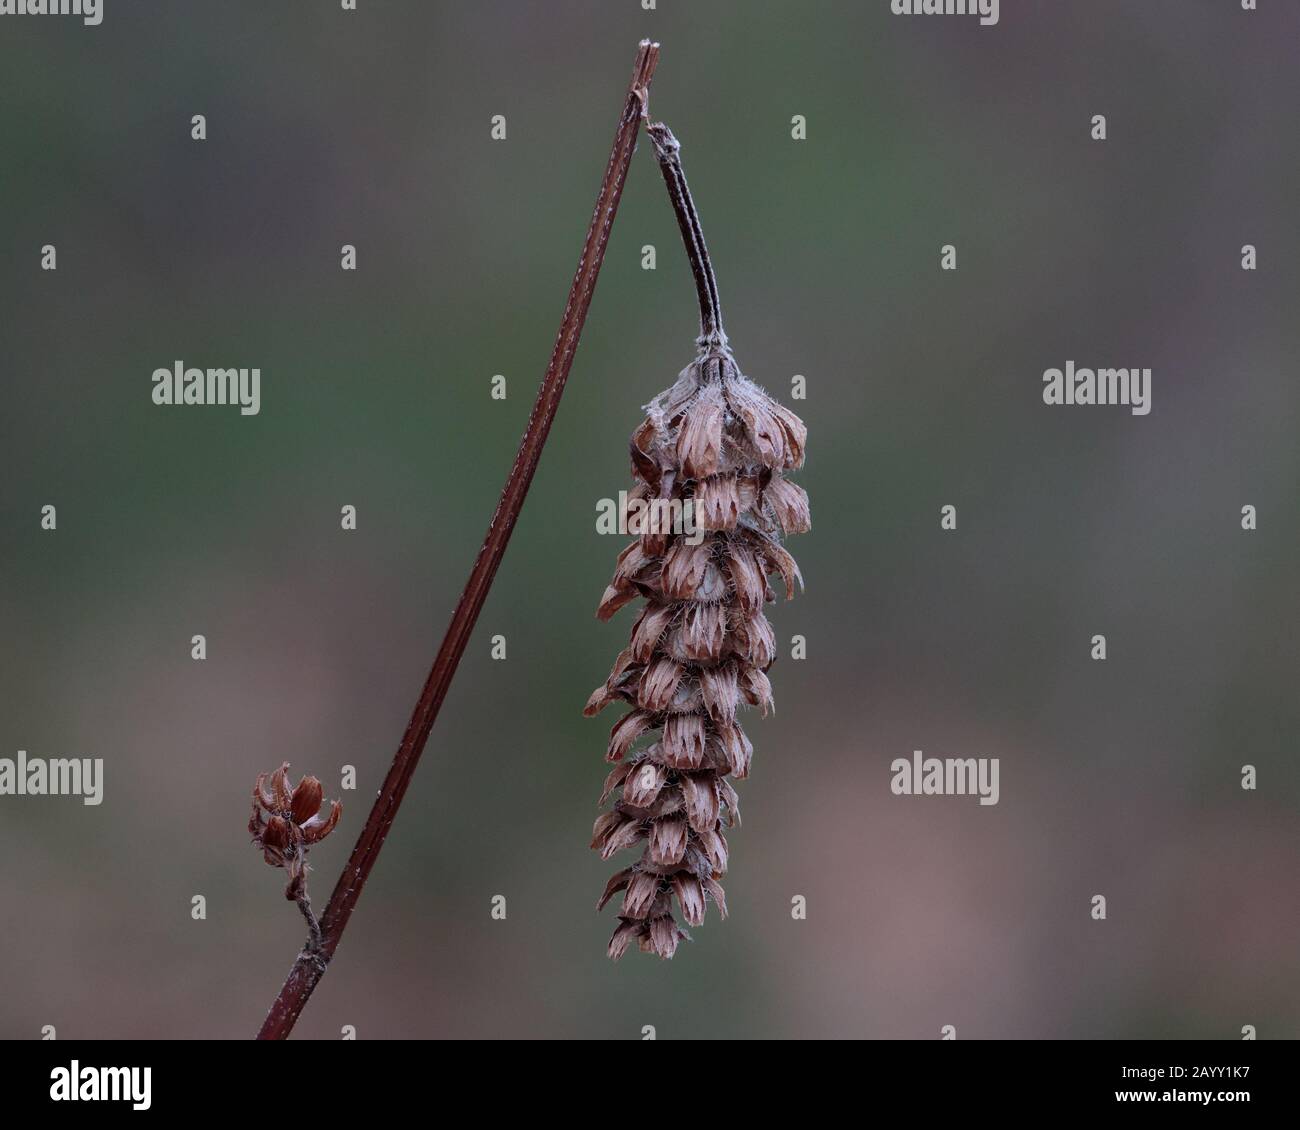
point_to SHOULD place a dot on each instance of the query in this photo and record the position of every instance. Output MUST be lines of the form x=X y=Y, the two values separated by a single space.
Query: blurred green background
x=328 y=127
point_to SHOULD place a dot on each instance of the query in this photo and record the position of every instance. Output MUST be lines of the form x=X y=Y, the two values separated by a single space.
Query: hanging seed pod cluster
x=701 y=646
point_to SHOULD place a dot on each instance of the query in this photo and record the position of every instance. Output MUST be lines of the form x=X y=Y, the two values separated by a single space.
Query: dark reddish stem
x=668 y=150
x=310 y=966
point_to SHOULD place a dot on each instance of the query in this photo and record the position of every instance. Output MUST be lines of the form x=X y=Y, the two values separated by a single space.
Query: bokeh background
x=327 y=127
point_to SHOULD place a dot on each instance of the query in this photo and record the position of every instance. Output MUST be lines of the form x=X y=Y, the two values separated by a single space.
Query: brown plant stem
x=313 y=924
x=668 y=151
x=310 y=966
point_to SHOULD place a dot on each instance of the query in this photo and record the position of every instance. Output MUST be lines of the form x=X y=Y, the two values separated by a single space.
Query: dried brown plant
x=701 y=646
x=285 y=823
x=310 y=965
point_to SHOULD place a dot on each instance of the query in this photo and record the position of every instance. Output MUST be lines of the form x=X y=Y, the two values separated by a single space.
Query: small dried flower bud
x=717 y=503
x=690 y=894
x=699 y=443
x=644 y=785
x=667 y=840
x=757 y=689
x=700 y=795
x=796 y=436
x=703 y=632
x=617 y=883
x=789 y=505
x=663 y=936
x=306 y=801
x=659 y=684
x=613 y=831
x=276 y=840
x=285 y=822
x=320 y=825
x=719 y=692
x=614 y=598
x=641 y=892
x=626 y=933
x=747 y=581
x=684 y=568
x=649 y=630
x=277 y=835
x=615 y=778
x=626 y=731
x=683 y=741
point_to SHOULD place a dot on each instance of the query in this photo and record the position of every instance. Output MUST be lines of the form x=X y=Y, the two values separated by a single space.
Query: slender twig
x=668 y=150
x=310 y=967
x=313 y=923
